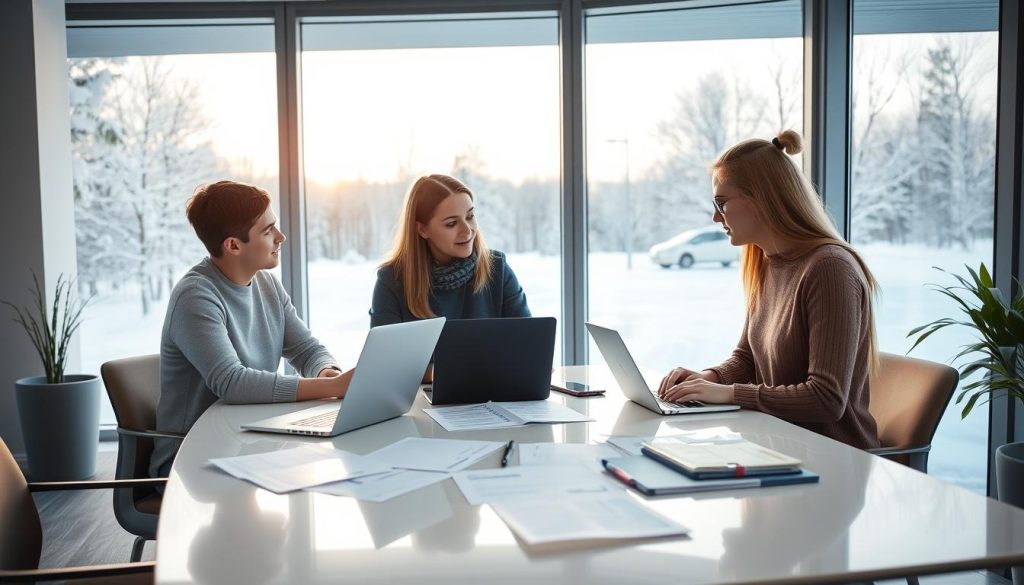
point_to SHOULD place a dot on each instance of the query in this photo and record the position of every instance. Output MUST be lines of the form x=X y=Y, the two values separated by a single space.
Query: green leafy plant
x=1000 y=329
x=51 y=331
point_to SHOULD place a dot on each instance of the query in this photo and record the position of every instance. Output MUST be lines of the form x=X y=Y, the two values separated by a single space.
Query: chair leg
x=913 y=581
x=137 y=548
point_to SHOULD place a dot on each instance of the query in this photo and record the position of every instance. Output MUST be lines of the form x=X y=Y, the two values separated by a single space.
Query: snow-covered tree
x=140 y=150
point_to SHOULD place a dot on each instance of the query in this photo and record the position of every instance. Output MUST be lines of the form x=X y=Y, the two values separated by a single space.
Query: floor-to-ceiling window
x=667 y=89
x=158 y=108
x=388 y=99
x=922 y=182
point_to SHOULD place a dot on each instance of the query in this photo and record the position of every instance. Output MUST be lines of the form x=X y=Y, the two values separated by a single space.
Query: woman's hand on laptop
x=697 y=388
x=682 y=374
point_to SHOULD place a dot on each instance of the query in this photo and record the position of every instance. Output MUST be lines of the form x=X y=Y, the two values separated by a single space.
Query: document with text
x=496 y=415
x=489 y=485
x=382 y=486
x=421 y=454
x=563 y=517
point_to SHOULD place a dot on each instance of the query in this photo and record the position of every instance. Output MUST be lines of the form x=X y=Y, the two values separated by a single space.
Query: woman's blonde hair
x=787 y=201
x=410 y=257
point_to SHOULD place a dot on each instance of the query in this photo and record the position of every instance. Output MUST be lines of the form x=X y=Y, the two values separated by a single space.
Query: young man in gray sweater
x=229 y=321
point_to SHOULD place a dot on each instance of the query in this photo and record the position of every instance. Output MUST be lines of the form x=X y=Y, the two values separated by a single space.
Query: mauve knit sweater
x=803 y=354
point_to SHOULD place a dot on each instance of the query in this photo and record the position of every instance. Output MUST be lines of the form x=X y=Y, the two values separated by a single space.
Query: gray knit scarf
x=454 y=275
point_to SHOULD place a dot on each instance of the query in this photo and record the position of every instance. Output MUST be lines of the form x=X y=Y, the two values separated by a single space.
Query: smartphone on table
x=577 y=389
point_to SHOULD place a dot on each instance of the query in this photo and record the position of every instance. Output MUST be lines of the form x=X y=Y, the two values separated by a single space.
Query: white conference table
x=868 y=518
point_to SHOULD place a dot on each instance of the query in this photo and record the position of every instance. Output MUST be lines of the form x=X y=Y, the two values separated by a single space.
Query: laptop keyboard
x=320 y=420
x=679 y=405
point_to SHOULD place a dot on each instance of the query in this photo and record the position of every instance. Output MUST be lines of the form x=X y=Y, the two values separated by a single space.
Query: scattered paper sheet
x=298 y=468
x=448 y=455
x=383 y=486
x=612 y=514
x=489 y=485
x=497 y=415
x=565 y=454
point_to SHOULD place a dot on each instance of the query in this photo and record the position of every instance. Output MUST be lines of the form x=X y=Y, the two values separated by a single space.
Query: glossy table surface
x=868 y=518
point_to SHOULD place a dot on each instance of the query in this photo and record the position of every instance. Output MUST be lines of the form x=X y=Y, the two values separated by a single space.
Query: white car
x=709 y=244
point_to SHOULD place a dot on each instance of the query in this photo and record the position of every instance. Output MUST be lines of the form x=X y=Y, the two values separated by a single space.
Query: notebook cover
x=654 y=479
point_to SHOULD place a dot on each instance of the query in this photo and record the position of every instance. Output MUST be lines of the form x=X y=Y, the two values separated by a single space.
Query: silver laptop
x=632 y=382
x=384 y=385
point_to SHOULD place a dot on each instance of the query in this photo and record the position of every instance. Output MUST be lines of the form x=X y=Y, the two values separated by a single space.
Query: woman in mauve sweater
x=807 y=351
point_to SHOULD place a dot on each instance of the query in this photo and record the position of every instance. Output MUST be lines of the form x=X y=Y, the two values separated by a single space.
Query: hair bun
x=790 y=142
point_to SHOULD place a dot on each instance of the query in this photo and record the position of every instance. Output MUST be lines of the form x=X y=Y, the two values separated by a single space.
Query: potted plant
x=999 y=354
x=59 y=412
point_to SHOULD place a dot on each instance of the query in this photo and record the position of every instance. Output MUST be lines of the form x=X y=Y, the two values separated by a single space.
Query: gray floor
x=79 y=529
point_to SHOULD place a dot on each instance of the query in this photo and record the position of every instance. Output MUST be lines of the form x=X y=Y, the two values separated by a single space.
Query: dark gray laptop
x=631 y=379
x=384 y=385
x=504 y=360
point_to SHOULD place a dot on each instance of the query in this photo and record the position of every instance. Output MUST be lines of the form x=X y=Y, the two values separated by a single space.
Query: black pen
x=508 y=449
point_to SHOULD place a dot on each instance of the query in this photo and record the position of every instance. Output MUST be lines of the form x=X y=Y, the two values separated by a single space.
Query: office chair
x=908 y=397
x=133 y=385
x=21 y=535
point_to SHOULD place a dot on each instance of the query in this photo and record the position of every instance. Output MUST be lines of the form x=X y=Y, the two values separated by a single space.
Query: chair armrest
x=52 y=486
x=889 y=451
x=148 y=434
x=89 y=571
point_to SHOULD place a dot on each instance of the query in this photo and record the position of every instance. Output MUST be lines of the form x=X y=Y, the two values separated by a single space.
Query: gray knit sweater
x=225 y=341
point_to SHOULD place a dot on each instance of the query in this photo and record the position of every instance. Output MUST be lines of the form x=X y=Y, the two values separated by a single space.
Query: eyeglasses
x=719 y=205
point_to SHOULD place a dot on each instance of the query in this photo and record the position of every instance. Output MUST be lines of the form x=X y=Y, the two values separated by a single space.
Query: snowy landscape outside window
x=385 y=102
x=146 y=130
x=923 y=195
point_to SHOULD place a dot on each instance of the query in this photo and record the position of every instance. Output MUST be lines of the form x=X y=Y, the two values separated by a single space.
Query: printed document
x=294 y=469
x=489 y=485
x=382 y=486
x=497 y=415
x=420 y=454
x=612 y=514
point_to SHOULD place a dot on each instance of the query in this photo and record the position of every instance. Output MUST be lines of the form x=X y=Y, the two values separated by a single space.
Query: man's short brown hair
x=223 y=210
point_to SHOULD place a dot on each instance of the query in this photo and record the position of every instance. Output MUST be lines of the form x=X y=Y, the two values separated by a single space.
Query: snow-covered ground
x=667 y=317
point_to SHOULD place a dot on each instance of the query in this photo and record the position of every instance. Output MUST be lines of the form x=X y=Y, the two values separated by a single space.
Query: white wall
x=37 y=230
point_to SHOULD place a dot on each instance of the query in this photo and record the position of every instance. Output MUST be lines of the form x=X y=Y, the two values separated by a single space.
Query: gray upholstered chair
x=21 y=535
x=133 y=385
x=908 y=397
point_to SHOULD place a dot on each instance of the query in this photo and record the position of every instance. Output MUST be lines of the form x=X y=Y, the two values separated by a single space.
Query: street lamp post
x=629 y=205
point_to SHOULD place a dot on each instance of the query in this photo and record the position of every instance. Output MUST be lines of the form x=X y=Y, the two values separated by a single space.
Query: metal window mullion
x=1006 y=418
x=827 y=50
x=574 y=208
x=293 y=212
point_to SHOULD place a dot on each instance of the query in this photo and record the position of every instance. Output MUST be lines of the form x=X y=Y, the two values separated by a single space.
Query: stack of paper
x=497 y=415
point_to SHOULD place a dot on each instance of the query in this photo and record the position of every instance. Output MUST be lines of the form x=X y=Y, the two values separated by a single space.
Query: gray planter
x=61 y=425
x=1010 y=484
